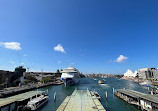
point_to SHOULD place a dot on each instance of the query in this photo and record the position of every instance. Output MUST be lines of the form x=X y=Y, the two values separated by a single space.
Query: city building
x=9 y=78
x=5 y=76
x=41 y=75
x=102 y=76
x=148 y=73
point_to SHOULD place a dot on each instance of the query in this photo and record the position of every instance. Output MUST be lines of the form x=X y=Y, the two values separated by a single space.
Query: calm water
x=112 y=104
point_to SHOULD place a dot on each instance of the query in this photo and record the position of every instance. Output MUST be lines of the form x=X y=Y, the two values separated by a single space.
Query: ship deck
x=81 y=100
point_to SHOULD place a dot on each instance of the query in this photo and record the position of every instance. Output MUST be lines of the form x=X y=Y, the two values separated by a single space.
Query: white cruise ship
x=70 y=76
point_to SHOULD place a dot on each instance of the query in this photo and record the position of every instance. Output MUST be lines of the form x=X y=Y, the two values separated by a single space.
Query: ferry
x=100 y=82
x=70 y=76
x=37 y=102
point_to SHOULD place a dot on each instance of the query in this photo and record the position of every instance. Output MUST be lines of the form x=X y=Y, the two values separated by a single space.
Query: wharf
x=145 y=101
x=24 y=88
x=81 y=100
x=14 y=102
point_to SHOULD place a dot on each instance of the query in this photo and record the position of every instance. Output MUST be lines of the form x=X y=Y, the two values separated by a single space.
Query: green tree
x=46 y=80
x=31 y=78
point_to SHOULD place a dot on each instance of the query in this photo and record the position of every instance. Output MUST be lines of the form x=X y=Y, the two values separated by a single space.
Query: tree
x=31 y=78
x=46 y=80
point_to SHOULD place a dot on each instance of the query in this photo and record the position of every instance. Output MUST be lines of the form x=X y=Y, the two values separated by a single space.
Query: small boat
x=100 y=82
x=37 y=102
x=95 y=79
x=104 y=80
x=95 y=94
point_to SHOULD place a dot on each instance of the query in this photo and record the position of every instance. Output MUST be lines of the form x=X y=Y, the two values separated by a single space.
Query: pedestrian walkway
x=81 y=100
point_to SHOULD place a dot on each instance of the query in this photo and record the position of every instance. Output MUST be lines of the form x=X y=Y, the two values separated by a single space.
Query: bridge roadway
x=81 y=100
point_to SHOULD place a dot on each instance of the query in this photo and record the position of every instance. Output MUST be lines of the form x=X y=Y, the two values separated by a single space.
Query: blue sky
x=95 y=36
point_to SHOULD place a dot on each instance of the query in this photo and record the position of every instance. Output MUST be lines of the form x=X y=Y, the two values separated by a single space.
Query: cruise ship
x=70 y=76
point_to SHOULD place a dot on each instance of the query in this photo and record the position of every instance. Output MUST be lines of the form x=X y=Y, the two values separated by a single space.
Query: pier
x=144 y=101
x=15 y=103
x=81 y=100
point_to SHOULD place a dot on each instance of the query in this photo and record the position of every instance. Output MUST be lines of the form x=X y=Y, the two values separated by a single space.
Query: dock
x=14 y=103
x=81 y=100
x=144 y=101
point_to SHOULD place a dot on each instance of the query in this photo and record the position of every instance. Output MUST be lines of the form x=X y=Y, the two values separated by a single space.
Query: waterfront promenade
x=81 y=100
x=24 y=88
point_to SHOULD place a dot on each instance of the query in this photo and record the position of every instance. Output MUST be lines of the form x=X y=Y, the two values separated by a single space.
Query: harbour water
x=113 y=103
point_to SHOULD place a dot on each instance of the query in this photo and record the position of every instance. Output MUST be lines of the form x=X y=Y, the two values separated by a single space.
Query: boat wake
x=104 y=85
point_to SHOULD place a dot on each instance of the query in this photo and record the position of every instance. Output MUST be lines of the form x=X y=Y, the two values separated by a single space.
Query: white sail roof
x=129 y=73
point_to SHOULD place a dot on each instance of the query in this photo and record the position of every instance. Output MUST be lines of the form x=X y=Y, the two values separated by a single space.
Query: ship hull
x=70 y=81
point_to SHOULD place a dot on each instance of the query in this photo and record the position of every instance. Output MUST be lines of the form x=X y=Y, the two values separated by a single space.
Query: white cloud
x=59 y=48
x=59 y=62
x=121 y=58
x=25 y=55
x=12 y=62
x=11 y=45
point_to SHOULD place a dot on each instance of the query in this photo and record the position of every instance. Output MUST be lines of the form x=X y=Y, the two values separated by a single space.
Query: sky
x=95 y=36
